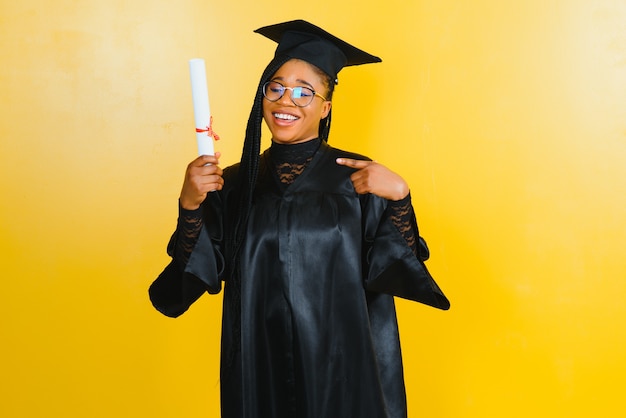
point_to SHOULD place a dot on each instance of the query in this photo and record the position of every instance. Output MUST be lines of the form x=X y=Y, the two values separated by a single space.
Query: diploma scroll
x=201 y=109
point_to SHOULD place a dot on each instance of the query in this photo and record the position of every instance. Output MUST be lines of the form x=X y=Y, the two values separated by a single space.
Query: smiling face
x=288 y=123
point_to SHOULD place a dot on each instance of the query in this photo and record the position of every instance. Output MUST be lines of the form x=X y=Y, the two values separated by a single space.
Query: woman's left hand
x=375 y=178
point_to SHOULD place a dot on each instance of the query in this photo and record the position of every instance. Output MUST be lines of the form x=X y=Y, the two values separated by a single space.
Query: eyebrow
x=298 y=80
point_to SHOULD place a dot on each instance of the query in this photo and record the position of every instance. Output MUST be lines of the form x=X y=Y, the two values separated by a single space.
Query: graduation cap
x=303 y=40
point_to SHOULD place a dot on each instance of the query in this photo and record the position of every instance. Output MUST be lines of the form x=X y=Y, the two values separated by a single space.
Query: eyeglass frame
x=285 y=88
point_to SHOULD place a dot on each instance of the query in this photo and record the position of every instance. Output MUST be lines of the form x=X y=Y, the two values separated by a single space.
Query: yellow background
x=508 y=119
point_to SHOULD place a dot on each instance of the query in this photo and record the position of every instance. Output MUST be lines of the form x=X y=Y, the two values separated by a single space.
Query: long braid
x=249 y=165
x=242 y=203
x=324 y=128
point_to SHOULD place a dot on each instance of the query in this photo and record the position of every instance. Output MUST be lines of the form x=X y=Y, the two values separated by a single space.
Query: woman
x=312 y=243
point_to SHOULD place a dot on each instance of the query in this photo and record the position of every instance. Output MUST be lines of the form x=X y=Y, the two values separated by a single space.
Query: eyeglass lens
x=300 y=96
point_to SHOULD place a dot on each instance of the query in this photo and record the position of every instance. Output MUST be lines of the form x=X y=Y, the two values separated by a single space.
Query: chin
x=284 y=140
x=283 y=137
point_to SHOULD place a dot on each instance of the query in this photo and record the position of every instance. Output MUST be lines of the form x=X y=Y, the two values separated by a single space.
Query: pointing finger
x=349 y=162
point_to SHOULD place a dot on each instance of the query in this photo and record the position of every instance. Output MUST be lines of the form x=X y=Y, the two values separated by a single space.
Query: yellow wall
x=508 y=118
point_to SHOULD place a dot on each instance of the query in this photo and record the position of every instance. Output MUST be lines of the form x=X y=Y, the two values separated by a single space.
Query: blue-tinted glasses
x=300 y=96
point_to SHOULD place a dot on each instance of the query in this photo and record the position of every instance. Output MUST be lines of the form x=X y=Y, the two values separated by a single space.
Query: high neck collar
x=294 y=152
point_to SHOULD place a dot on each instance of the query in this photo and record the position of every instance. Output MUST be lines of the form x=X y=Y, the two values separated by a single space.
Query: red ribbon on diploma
x=209 y=130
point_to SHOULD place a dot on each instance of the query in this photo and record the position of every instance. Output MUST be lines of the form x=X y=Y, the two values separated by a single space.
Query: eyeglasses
x=300 y=96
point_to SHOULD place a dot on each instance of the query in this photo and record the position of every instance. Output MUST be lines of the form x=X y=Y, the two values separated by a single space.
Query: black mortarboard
x=303 y=40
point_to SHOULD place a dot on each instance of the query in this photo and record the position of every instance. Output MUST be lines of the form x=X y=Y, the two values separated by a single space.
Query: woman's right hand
x=203 y=175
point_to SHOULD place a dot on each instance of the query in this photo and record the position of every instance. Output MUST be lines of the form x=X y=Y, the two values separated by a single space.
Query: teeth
x=284 y=116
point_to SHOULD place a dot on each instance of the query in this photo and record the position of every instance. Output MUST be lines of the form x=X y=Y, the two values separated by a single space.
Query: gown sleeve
x=196 y=264
x=392 y=266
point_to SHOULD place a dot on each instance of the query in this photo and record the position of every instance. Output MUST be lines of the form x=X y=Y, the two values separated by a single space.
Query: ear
x=325 y=109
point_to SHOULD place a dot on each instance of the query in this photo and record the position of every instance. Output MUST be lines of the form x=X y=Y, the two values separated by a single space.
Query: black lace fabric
x=401 y=215
x=289 y=162
x=288 y=172
x=189 y=226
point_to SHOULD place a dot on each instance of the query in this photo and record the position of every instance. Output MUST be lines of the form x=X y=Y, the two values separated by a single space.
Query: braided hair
x=249 y=164
x=249 y=167
x=241 y=202
x=329 y=82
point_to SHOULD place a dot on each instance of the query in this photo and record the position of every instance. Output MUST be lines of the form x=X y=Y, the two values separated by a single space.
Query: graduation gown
x=320 y=265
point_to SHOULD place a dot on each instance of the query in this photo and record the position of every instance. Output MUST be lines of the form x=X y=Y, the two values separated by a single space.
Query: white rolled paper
x=201 y=109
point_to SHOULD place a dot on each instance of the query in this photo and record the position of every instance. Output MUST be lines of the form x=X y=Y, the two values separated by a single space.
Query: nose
x=286 y=99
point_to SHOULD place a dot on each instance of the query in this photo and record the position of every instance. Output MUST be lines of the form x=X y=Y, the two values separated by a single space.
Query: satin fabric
x=319 y=268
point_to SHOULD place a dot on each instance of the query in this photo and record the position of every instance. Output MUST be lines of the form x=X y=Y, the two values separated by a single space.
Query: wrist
x=402 y=192
x=189 y=206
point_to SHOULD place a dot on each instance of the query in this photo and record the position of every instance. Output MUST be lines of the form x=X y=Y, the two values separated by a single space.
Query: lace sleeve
x=401 y=215
x=189 y=226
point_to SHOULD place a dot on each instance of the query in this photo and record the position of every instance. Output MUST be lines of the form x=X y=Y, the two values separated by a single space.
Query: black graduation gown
x=319 y=268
